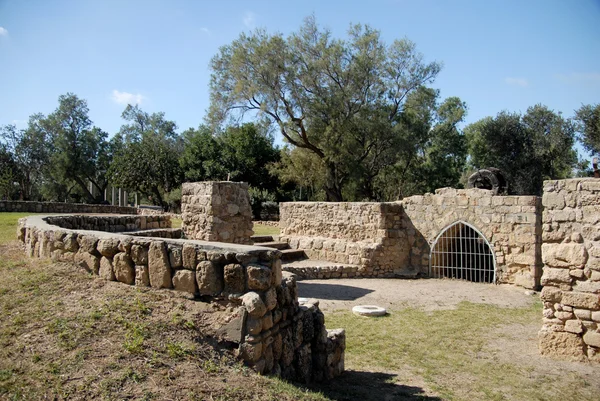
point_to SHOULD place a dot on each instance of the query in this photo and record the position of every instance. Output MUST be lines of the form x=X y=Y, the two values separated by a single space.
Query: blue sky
x=497 y=55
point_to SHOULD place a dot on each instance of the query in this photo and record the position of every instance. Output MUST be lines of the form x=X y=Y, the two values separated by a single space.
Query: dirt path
x=432 y=294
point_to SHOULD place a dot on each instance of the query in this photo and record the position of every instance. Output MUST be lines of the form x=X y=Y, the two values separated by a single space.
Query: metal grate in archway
x=460 y=251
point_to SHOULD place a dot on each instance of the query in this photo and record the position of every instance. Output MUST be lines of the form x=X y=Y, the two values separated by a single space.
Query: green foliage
x=147 y=159
x=528 y=149
x=201 y=157
x=588 y=119
x=339 y=99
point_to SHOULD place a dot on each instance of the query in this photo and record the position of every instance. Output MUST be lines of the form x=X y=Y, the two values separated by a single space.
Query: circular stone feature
x=369 y=310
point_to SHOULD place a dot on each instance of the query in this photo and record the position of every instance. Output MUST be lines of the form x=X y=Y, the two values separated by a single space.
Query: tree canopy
x=337 y=98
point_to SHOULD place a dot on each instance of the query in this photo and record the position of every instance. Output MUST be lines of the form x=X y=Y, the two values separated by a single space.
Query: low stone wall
x=394 y=239
x=370 y=235
x=110 y=223
x=216 y=211
x=276 y=335
x=571 y=279
x=61 y=207
x=267 y=223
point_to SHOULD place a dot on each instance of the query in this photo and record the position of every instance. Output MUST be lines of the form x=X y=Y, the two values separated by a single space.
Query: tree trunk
x=333 y=189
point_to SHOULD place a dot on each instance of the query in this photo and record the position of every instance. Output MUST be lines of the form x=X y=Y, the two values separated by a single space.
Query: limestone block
x=189 y=257
x=551 y=275
x=551 y=294
x=108 y=247
x=175 y=259
x=87 y=243
x=259 y=277
x=562 y=315
x=123 y=268
x=91 y=263
x=553 y=200
x=574 y=326
x=185 y=280
x=142 y=278
x=254 y=304
x=159 y=269
x=139 y=254
x=234 y=278
x=267 y=321
x=106 y=269
x=592 y=338
x=587 y=286
x=581 y=300
x=70 y=242
x=564 y=255
x=582 y=314
x=254 y=326
x=561 y=344
x=251 y=353
x=271 y=298
x=209 y=277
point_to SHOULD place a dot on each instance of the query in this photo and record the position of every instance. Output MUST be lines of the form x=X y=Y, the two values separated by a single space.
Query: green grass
x=176 y=222
x=260 y=229
x=449 y=350
x=8 y=226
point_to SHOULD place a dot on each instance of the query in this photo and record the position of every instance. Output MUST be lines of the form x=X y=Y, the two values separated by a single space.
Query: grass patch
x=176 y=222
x=449 y=350
x=260 y=229
x=8 y=226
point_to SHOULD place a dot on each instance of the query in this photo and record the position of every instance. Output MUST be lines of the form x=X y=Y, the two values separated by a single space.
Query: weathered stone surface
x=142 y=277
x=108 y=247
x=271 y=298
x=251 y=352
x=209 y=277
x=189 y=257
x=159 y=269
x=139 y=254
x=106 y=269
x=185 y=280
x=574 y=326
x=91 y=263
x=175 y=259
x=234 y=278
x=123 y=268
x=259 y=277
x=561 y=344
x=254 y=305
x=87 y=243
x=551 y=294
x=592 y=338
x=581 y=300
x=254 y=326
x=552 y=276
x=564 y=255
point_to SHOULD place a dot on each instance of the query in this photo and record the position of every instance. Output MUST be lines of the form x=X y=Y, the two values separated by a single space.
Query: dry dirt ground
x=514 y=344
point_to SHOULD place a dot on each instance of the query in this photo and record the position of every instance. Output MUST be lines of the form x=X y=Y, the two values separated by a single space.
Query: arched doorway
x=460 y=251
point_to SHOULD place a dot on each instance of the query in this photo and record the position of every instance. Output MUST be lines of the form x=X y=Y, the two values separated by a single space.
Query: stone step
x=320 y=269
x=261 y=238
x=292 y=254
x=276 y=245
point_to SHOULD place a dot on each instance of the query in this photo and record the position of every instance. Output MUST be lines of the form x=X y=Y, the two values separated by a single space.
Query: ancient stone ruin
x=273 y=332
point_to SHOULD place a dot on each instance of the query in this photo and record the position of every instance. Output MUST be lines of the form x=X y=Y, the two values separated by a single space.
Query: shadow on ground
x=370 y=386
x=331 y=291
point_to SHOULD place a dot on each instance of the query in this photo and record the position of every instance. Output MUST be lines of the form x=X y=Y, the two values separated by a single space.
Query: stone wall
x=61 y=207
x=274 y=333
x=370 y=235
x=394 y=239
x=216 y=211
x=511 y=224
x=571 y=279
x=113 y=224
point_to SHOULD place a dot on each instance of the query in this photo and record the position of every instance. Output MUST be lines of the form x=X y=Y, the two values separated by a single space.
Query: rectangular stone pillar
x=113 y=199
x=216 y=211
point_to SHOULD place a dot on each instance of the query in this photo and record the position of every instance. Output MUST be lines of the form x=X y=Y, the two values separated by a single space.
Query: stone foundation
x=217 y=211
x=273 y=332
x=571 y=279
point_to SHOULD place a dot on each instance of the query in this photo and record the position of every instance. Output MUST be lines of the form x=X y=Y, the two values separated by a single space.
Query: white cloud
x=126 y=98
x=249 y=19
x=3 y=31
x=516 y=81
x=205 y=30
x=579 y=78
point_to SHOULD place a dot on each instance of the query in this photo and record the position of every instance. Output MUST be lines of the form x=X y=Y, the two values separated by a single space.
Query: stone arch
x=461 y=251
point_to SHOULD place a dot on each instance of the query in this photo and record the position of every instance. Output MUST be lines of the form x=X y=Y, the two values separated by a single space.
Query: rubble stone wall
x=370 y=235
x=216 y=211
x=61 y=207
x=275 y=334
x=394 y=239
x=571 y=279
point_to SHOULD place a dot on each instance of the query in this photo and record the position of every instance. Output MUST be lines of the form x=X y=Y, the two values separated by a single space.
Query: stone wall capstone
x=62 y=207
x=571 y=279
x=216 y=211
